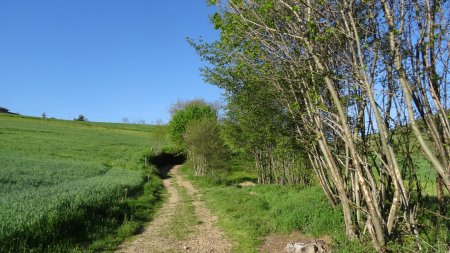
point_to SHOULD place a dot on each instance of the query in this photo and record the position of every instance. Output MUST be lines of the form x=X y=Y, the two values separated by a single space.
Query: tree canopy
x=190 y=112
x=357 y=87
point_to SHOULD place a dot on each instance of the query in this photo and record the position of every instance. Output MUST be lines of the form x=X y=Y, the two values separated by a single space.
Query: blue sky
x=105 y=59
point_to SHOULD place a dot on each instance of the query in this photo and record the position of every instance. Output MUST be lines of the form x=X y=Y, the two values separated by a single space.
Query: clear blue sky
x=105 y=59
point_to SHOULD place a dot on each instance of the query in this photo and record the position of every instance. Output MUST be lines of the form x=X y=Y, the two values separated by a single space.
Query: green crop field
x=59 y=178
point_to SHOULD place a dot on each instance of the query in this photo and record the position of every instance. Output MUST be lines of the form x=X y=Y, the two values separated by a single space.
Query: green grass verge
x=136 y=212
x=248 y=214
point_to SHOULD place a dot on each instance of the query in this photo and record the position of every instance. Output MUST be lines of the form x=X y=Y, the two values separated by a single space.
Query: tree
x=182 y=104
x=354 y=77
x=207 y=151
x=81 y=117
x=257 y=125
x=191 y=112
x=159 y=122
x=160 y=136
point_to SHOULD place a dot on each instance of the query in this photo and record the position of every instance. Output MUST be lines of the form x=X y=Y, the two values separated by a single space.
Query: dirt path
x=159 y=236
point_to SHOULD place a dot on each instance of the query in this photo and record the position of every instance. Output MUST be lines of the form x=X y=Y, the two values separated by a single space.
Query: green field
x=60 y=181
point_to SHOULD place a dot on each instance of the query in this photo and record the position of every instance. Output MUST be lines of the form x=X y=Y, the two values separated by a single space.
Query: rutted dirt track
x=159 y=237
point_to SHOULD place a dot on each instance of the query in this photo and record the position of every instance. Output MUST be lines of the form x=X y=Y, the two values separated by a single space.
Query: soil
x=158 y=236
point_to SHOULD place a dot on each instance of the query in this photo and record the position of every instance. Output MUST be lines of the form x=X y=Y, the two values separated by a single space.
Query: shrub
x=192 y=112
x=206 y=150
x=81 y=117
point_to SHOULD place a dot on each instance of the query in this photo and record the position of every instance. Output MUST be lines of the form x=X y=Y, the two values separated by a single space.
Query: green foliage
x=216 y=19
x=206 y=149
x=298 y=95
x=212 y=2
x=194 y=127
x=256 y=124
x=191 y=112
x=160 y=134
x=81 y=117
x=65 y=184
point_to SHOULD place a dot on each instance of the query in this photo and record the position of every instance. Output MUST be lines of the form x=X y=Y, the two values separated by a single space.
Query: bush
x=206 y=150
x=81 y=117
x=182 y=118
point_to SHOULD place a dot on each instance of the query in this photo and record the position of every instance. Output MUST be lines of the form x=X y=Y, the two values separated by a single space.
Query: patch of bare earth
x=158 y=236
x=278 y=243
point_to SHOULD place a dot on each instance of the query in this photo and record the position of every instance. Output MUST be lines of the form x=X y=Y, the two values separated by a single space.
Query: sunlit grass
x=248 y=214
x=63 y=182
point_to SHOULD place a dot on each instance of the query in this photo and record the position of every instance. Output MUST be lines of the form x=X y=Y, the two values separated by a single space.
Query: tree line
x=350 y=91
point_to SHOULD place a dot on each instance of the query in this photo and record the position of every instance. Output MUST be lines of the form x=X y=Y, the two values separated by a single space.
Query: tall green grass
x=65 y=184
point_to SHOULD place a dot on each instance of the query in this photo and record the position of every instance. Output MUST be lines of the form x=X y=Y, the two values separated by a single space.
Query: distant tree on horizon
x=6 y=110
x=81 y=117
